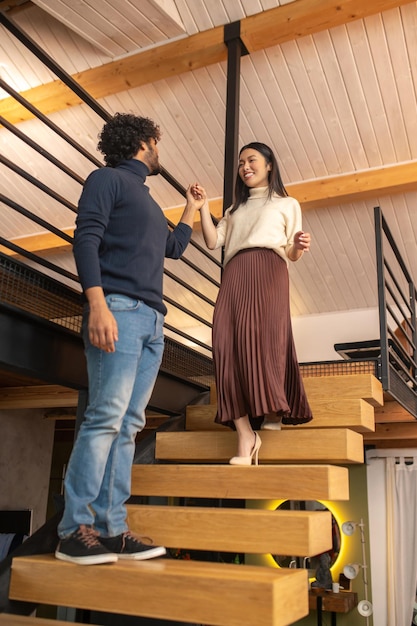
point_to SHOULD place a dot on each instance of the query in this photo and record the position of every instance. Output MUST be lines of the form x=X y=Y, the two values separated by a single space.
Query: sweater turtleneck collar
x=258 y=192
x=135 y=166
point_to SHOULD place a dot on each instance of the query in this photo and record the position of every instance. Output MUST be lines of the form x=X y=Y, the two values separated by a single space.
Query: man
x=120 y=242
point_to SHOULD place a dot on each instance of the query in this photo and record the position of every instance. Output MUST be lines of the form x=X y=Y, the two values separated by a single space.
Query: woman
x=256 y=366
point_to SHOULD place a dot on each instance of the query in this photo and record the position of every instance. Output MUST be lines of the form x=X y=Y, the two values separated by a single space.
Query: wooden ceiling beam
x=41 y=243
x=260 y=31
x=357 y=186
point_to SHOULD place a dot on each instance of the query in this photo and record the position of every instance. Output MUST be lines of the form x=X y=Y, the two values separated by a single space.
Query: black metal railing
x=193 y=304
x=397 y=318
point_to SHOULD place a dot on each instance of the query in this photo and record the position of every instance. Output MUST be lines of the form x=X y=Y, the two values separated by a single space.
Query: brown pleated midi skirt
x=255 y=361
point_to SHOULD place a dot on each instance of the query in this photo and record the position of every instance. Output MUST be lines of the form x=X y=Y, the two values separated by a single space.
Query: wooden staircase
x=297 y=463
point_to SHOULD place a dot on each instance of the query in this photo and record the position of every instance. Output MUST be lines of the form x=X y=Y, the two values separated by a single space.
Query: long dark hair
x=275 y=183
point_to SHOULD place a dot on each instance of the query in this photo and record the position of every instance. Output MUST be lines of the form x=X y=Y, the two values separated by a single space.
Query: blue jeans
x=98 y=478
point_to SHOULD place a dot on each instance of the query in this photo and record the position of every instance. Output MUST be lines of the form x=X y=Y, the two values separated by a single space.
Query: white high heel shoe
x=247 y=460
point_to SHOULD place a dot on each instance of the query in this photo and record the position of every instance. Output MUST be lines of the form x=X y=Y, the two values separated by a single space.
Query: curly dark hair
x=122 y=136
x=275 y=183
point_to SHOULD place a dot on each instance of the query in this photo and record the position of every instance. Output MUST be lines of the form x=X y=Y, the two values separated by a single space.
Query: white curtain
x=392 y=500
x=401 y=481
x=392 y=510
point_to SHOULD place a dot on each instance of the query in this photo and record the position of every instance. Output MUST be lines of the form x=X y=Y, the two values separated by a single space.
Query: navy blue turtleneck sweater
x=122 y=237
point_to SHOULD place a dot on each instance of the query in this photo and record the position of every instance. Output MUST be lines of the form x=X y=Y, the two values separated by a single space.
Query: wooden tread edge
x=292 y=482
x=334 y=446
x=225 y=529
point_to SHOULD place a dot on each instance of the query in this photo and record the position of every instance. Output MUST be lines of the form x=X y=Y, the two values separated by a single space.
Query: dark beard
x=156 y=169
x=152 y=162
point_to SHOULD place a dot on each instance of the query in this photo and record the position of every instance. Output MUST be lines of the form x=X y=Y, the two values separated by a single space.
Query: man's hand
x=102 y=326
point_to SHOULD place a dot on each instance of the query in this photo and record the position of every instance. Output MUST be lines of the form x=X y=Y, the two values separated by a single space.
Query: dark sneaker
x=128 y=546
x=83 y=547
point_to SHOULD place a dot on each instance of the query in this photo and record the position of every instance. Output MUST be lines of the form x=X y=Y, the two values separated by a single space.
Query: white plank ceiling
x=335 y=102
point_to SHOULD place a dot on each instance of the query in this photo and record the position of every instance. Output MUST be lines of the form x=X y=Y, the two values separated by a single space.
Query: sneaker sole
x=96 y=559
x=152 y=553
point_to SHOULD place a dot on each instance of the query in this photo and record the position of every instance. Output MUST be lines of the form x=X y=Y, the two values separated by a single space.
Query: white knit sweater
x=260 y=223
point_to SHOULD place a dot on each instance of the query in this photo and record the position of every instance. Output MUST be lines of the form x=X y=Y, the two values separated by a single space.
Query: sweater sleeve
x=293 y=223
x=177 y=240
x=94 y=210
x=221 y=230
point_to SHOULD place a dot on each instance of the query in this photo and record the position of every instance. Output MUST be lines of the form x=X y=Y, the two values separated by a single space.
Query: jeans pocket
x=117 y=302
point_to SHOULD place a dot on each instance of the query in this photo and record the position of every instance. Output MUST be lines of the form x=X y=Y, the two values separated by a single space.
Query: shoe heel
x=255 y=452
x=247 y=460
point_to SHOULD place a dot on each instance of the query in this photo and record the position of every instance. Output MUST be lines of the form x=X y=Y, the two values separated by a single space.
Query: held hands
x=196 y=199
x=302 y=241
x=196 y=196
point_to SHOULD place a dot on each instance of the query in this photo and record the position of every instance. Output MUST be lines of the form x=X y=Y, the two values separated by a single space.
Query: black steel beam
x=235 y=50
x=36 y=348
x=382 y=304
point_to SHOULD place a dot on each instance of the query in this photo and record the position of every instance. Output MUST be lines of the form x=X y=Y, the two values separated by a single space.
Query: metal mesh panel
x=187 y=363
x=39 y=295
x=399 y=389
x=340 y=368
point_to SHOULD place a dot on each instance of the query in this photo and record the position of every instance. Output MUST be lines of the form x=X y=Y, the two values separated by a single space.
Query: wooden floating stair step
x=327 y=445
x=265 y=482
x=364 y=386
x=353 y=413
x=189 y=591
x=300 y=533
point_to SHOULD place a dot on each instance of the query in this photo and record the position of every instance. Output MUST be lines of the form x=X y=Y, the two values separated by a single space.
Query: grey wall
x=26 y=443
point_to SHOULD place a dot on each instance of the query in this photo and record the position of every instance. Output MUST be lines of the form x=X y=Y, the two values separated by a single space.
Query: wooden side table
x=325 y=600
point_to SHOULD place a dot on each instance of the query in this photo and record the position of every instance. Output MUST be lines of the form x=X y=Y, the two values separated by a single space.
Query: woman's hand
x=301 y=244
x=302 y=241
